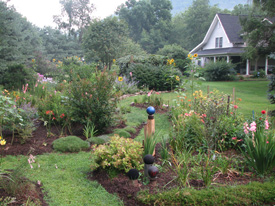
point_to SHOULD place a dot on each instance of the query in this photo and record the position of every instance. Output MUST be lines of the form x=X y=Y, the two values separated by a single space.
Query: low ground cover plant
x=70 y=144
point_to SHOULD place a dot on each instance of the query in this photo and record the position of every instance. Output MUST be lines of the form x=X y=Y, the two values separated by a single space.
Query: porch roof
x=237 y=51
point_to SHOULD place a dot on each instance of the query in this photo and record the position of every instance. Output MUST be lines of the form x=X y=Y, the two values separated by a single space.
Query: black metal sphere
x=133 y=174
x=153 y=171
x=148 y=159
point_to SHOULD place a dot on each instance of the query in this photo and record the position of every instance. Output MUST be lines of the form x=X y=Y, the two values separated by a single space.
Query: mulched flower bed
x=120 y=185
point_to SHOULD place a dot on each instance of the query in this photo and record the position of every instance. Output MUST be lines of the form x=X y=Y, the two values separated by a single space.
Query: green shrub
x=271 y=89
x=70 y=144
x=120 y=154
x=122 y=133
x=155 y=77
x=252 y=194
x=259 y=74
x=99 y=140
x=178 y=53
x=219 y=71
x=130 y=130
x=73 y=67
x=16 y=76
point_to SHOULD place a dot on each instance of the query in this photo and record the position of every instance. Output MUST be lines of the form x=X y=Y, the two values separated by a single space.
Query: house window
x=218 y=43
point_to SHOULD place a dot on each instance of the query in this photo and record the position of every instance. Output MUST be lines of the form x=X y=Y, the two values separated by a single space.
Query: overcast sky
x=40 y=12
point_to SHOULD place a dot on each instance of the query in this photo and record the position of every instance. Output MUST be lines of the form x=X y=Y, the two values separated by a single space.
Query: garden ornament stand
x=149 y=128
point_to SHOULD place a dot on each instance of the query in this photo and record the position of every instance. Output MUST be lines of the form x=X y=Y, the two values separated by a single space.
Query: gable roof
x=231 y=26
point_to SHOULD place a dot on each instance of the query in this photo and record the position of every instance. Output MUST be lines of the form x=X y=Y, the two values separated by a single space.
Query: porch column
x=266 y=65
x=215 y=59
x=227 y=59
x=247 y=67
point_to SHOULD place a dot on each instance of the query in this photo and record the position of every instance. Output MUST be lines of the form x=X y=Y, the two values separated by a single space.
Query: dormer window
x=218 y=42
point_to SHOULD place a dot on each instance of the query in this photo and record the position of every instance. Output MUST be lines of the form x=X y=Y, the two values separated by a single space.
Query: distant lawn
x=252 y=93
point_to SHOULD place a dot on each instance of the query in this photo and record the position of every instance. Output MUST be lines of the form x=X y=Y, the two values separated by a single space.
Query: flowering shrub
x=93 y=100
x=260 y=145
x=207 y=120
x=119 y=154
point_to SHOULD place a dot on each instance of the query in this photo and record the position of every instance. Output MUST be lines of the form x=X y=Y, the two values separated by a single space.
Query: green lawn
x=252 y=93
x=64 y=179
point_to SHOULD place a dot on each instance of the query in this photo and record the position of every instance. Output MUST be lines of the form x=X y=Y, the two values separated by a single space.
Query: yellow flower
x=114 y=61
x=195 y=55
x=3 y=142
x=120 y=79
x=177 y=78
x=33 y=60
x=189 y=55
x=54 y=60
x=0 y=137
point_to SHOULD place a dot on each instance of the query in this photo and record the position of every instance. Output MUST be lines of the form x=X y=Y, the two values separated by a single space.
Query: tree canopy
x=18 y=38
x=103 y=39
x=76 y=15
x=149 y=22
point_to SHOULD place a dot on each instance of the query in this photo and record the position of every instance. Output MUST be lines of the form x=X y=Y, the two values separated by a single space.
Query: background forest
x=136 y=28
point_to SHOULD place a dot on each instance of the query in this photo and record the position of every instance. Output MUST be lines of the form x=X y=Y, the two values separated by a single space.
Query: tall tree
x=190 y=27
x=18 y=38
x=57 y=45
x=76 y=15
x=259 y=29
x=149 y=22
x=103 y=39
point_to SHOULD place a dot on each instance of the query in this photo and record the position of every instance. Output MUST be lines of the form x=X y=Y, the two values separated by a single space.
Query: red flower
x=263 y=112
x=235 y=106
x=49 y=112
x=62 y=115
x=260 y=118
x=234 y=138
x=54 y=118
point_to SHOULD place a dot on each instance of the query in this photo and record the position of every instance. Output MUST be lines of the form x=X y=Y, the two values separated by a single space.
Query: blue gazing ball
x=150 y=110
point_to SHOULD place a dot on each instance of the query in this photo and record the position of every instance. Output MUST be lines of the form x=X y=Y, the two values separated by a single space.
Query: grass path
x=64 y=179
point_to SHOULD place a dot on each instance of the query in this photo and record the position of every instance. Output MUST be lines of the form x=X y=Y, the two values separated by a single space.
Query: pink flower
x=240 y=140
x=253 y=127
x=157 y=92
x=234 y=138
x=267 y=142
x=131 y=74
x=235 y=106
x=266 y=124
x=149 y=94
x=204 y=115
